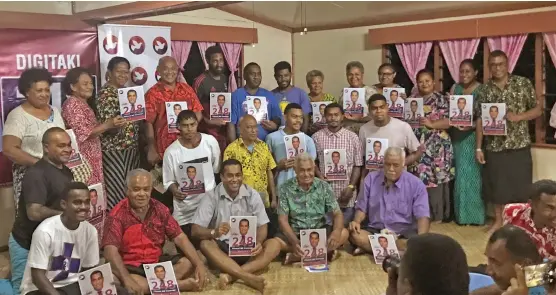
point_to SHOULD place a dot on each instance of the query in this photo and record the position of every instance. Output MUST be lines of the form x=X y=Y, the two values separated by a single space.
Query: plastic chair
x=477 y=281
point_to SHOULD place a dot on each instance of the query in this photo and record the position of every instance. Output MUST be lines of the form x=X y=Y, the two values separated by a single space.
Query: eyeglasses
x=385 y=74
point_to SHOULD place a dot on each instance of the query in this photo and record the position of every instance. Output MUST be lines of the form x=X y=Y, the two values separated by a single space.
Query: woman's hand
x=116 y=122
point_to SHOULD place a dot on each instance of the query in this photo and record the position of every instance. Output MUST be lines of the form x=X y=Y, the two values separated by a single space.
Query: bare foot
x=334 y=255
x=291 y=258
x=224 y=281
x=358 y=251
x=256 y=282
x=189 y=284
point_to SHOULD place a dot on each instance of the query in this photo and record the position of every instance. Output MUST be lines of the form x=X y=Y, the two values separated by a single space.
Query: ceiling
x=320 y=15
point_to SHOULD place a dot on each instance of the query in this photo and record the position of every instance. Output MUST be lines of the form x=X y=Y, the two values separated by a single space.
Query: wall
x=544 y=163
x=52 y=7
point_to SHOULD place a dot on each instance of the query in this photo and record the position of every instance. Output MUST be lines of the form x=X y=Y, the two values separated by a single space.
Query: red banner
x=57 y=51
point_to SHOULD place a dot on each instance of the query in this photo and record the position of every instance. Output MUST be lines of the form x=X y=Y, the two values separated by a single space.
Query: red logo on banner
x=136 y=45
x=160 y=45
x=139 y=76
x=111 y=47
x=156 y=76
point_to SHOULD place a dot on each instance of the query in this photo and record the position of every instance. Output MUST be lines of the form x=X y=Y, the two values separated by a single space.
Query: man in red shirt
x=135 y=232
x=538 y=217
x=168 y=89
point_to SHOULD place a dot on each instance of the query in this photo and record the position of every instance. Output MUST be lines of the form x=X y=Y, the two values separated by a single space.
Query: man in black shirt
x=42 y=188
x=212 y=80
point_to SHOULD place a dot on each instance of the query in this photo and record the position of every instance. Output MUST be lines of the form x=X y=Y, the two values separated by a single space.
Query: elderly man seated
x=392 y=199
x=211 y=225
x=135 y=232
x=304 y=203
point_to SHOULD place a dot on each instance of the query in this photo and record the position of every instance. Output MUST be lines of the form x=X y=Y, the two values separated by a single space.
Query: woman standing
x=78 y=116
x=119 y=147
x=26 y=124
x=386 y=76
x=468 y=202
x=315 y=79
x=354 y=74
x=435 y=167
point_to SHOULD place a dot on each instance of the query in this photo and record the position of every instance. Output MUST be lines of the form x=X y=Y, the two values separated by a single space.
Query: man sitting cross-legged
x=62 y=246
x=304 y=203
x=211 y=226
x=134 y=233
x=392 y=199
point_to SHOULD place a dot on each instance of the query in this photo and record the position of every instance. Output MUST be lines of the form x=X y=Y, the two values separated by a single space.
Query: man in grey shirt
x=211 y=226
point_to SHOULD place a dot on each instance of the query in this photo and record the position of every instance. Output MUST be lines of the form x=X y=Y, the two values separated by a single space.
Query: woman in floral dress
x=80 y=117
x=435 y=167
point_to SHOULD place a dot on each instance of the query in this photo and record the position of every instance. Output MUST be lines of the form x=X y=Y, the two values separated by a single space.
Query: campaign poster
x=295 y=145
x=191 y=178
x=313 y=244
x=75 y=158
x=395 y=101
x=98 y=208
x=374 y=152
x=354 y=102
x=132 y=103
x=383 y=246
x=243 y=235
x=318 y=112
x=414 y=111
x=161 y=278
x=256 y=106
x=493 y=116
x=461 y=110
x=335 y=164
x=173 y=110
x=221 y=106
x=97 y=280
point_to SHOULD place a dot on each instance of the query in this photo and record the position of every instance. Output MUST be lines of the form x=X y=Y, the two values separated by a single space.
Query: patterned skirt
x=116 y=165
x=18 y=171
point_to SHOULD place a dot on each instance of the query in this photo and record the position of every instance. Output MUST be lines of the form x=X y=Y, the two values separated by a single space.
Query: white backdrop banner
x=143 y=46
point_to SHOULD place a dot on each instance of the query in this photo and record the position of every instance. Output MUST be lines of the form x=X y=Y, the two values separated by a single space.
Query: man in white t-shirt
x=190 y=147
x=62 y=246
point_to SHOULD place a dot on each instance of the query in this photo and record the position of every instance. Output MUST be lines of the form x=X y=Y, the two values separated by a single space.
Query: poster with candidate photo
x=173 y=109
x=221 y=106
x=354 y=102
x=75 y=158
x=97 y=213
x=414 y=111
x=257 y=107
x=191 y=178
x=335 y=164
x=313 y=244
x=318 y=112
x=461 y=110
x=383 y=246
x=97 y=280
x=161 y=278
x=493 y=116
x=243 y=235
x=295 y=145
x=395 y=101
x=132 y=103
x=374 y=152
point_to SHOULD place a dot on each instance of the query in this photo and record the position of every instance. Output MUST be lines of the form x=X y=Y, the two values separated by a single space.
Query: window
x=525 y=67
x=550 y=94
x=402 y=78
x=448 y=81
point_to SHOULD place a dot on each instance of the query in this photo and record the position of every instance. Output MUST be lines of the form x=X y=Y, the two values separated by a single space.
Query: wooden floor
x=348 y=275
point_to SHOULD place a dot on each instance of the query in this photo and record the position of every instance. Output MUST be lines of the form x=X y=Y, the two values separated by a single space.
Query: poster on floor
x=383 y=246
x=57 y=51
x=313 y=244
x=143 y=46
x=161 y=278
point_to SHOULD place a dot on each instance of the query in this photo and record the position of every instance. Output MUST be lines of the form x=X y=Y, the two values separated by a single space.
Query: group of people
x=246 y=171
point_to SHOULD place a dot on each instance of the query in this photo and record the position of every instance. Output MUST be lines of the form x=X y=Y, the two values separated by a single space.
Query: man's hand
x=298 y=251
x=392 y=288
x=350 y=117
x=222 y=230
x=178 y=194
x=201 y=276
x=274 y=203
x=480 y=156
x=269 y=125
x=132 y=287
x=513 y=117
x=334 y=239
x=217 y=122
x=346 y=195
x=518 y=286
x=117 y=122
x=285 y=164
x=257 y=250
x=355 y=227
x=426 y=122
x=152 y=156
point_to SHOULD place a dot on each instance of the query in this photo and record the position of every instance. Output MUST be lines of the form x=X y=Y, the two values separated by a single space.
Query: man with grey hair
x=135 y=232
x=393 y=200
x=303 y=204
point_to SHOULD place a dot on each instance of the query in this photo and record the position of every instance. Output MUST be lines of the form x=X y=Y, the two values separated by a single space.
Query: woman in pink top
x=80 y=117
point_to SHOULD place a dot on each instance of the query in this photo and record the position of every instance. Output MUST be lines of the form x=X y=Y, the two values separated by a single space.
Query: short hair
x=313 y=74
x=387 y=65
x=97 y=272
x=230 y=162
x=413 y=101
x=336 y=152
x=424 y=72
x=132 y=90
x=212 y=50
x=395 y=151
x=257 y=99
x=462 y=98
x=469 y=62
x=292 y=106
x=377 y=141
x=295 y=137
x=315 y=233
x=493 y=107
x=354 y=91
x=50 y=131
x=383 y=237
x=247 y=66
x=332 y=106
x=71 y=186
x=355 y=64
x=396 y=91
x=518 y=243
x=136 y=172
x=221 y=95
x=436 y=256
x=244 y=220
x=92 y=190
x=544 y=186
x=376 y=97
x=498 y=53
x=117 y=60
x=282 y=65
x=32 y=76
x=160 y=266
x=177 y=105
x=193 y=167
x=187 y=114
x=302 y=157
x=72 y=77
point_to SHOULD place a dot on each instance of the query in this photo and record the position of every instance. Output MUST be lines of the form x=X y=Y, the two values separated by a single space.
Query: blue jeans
x=18 y=260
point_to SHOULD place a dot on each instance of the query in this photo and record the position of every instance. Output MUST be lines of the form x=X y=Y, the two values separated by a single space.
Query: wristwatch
x=212 y=232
